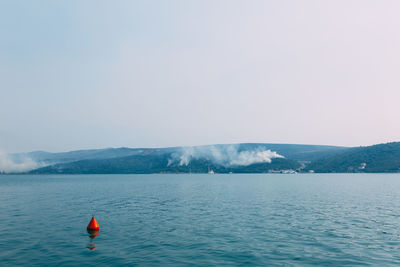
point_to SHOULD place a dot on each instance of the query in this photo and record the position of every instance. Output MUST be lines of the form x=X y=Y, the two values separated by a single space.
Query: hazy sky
x=94 y=74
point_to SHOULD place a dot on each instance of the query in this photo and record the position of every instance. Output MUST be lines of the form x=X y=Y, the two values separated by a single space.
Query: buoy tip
x=93 y=225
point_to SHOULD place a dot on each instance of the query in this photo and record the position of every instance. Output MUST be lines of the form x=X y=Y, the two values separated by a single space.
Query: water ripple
x=202 y=220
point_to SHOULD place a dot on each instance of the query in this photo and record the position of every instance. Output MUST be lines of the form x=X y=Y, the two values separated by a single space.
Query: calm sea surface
x=202 y=220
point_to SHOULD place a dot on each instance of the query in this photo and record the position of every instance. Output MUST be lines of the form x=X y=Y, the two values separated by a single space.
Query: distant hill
x=158 y=164
x=297 y=152
x=222 y=159
x=376 y=158
x=149 y=160
x=52 y=158
x=290 y=151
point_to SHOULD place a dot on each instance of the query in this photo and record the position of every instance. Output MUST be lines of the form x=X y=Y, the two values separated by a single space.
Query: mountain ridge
x=376 y=158
x=156 y=160
x=221 y=158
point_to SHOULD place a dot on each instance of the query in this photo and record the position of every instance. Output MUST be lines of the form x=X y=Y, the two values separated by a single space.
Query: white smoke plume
x=9 y=165
x=224 y=155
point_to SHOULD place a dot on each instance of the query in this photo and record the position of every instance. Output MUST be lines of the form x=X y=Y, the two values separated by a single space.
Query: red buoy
x=93 y=225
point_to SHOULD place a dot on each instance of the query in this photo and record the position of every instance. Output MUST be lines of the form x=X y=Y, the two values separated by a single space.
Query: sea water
x=201 y=220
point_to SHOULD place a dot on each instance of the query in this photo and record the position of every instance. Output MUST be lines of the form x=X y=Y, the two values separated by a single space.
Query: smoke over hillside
x=223 y=155
x=10 y=165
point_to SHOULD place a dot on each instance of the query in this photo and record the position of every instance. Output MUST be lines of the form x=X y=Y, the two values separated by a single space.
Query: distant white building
x=362 y=166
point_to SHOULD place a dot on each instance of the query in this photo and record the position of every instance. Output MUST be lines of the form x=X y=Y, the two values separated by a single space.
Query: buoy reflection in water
x=92 y=235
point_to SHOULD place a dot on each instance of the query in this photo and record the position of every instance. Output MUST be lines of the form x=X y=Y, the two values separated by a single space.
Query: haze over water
x=178 y=220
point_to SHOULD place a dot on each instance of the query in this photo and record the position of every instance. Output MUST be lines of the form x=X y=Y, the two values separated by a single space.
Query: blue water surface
x=201 y=220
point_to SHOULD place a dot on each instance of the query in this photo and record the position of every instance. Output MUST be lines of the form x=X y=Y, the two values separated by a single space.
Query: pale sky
x=95 y=74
